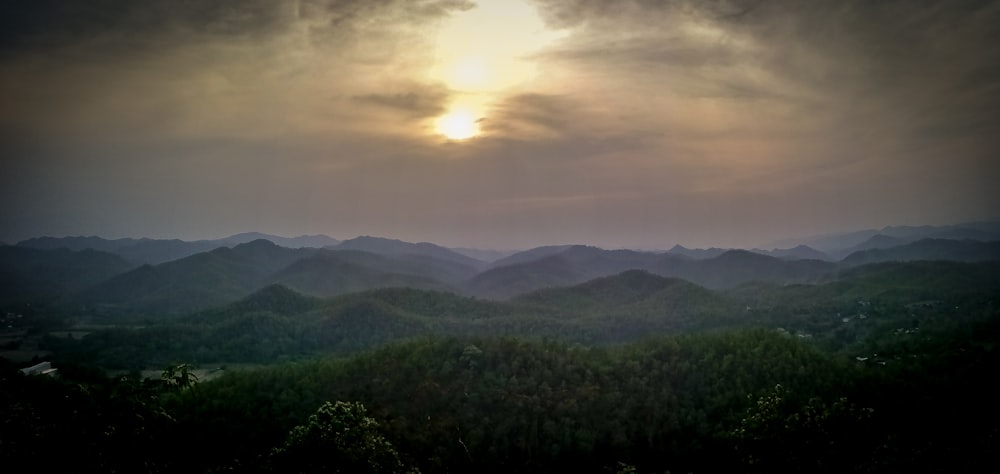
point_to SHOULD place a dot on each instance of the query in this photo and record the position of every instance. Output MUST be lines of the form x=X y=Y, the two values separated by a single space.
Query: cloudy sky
x=497 y=123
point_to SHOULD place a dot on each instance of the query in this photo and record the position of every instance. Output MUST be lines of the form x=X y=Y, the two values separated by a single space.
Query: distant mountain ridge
x=525 y=256
x=928 y=249
x=697 y=253
x=302 y=241
x=226 y=274
x=156 y=251
x=562 y=266
x=384 y=246
x=111 y=282
x=40 y=277
x=485 y=255
x=801 y=252
x=198 y=281
x=840 y=245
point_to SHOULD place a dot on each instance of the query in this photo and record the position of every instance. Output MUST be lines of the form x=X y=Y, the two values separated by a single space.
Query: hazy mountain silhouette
x=107 y=282
x=799 y=252
x=202 y=280
x=31 y=274
x=696 y=253
x=385 y=246
x=224 y=275
x=530 y=255
x=307 y=241
x=633 y=303
x=156 y=251
x=77 y=243
x=554 y=266
x=736 y=267
x=928 y=249
x=616 y=291
x=839 y=245
x=484 y=255
x=328 y=274
x=576 y=264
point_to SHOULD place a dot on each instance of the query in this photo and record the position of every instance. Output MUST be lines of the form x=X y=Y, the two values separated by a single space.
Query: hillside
x=736 y=267
x=530 y=255
x=199 y=281
x=553 y=266
x=619 y=308
x=328 y=274
x=225 y=275
x=30 y=275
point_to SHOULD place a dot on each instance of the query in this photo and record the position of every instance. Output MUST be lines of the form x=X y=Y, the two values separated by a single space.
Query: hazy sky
x=497 y=123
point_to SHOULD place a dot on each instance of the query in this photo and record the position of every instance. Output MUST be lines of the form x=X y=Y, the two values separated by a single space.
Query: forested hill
x=41 y=277
x=757 y=401
x=276 y=321
x=875 y=368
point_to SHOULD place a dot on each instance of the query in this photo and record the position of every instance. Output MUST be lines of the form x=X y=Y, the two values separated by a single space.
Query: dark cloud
x=919 y=67
x=52 y=24
x=534 y=114
x=118 y=68
x=121 y=26
x=418 y=104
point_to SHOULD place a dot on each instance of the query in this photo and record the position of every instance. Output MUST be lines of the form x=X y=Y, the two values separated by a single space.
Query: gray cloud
x=532 y=115
x=420 y=104
x=193 y=68
x=903 y=68
x=47 y=24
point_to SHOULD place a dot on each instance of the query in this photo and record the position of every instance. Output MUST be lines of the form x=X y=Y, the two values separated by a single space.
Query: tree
x=338 y=437
x=779 y=434
x=180 y=376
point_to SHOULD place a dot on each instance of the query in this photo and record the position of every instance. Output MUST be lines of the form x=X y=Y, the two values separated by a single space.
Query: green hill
x=43 y=277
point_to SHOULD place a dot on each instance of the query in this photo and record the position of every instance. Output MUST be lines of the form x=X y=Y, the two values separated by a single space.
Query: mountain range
x=126 y=276
x=276 y=320
x=840 y=245
x=155 y=251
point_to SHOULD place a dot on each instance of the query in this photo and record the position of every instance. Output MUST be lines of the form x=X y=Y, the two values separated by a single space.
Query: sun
x=458 y=125
x=483 y=55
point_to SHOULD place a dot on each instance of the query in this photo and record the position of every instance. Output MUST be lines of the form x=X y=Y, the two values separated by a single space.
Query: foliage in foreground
x=733 y=401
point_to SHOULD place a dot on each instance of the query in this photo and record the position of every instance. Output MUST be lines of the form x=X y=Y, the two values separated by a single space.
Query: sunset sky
x=497 y=123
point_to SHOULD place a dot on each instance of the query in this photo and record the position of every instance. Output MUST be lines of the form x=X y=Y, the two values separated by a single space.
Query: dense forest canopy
x=877 y=367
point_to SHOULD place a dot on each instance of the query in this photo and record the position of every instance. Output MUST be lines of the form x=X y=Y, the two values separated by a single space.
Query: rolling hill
x=44 y=276
x=199 y=281
x=225 y=275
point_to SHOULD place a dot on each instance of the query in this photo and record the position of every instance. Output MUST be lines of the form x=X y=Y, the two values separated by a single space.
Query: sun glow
x=483 y=54
x=460 y=124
